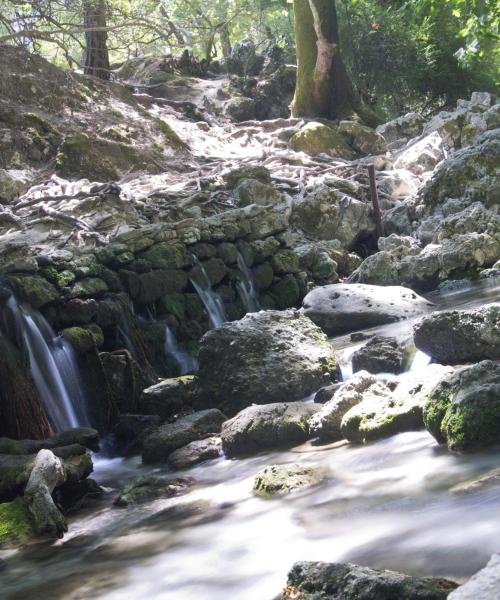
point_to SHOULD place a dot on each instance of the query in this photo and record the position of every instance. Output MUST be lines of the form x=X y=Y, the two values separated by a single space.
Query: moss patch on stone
x=15 y=524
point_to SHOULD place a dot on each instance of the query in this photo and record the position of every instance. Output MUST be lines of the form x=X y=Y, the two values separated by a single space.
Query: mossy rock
x=285 y=261
x=166 y=256
x=15 y=523
x=33 y=289
x=236 y=175
x=278 y=480
x=286 y=292
x=316 y=138
x=174 y=304
x=84 y=339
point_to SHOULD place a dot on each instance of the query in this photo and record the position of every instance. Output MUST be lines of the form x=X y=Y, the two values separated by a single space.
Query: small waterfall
x=123 y=331
x=420 y=361
x=246 y=287
x=53 y=366
x=211 y=300
x=186 y=361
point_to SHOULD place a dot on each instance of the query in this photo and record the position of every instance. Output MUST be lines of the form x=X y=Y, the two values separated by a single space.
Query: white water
x=53 y=366
x=186 y=361
x=211 y=300
x=246 y=287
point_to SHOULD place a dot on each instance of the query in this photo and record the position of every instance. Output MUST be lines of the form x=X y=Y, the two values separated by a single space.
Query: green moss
x=173 y=304
x=166 y=256
x=285 y=292
x=84 y=339
x=316 y=138
x=15 y=524
x=435 y=410
x=34 y=289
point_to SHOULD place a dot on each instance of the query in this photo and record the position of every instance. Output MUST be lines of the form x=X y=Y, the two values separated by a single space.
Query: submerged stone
x=278 y=480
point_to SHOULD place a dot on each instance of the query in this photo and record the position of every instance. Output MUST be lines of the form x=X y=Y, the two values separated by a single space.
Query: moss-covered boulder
x=147 y=488
x=166 y=256
x=15 y=523
x=278 y=480
x=285 y=292
x=463 y=410
x=34 y=289
x=155 y=284
x=265 y=357
x=458 y=336
x=362 y=138
x=345 y=581
x=84 y=338
x=317 y=138
x=257 y=428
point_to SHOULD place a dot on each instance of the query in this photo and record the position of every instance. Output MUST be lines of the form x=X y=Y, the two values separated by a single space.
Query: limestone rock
x=195 y=452
x=258 y=428
x=341 y=308
x=484 y=585
x=265 y=357
x=161 y=443
x=379 y=355
x=454 y=337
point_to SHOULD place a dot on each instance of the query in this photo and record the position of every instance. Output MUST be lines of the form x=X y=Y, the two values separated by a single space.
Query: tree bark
x=323 y=88
x=96 y=49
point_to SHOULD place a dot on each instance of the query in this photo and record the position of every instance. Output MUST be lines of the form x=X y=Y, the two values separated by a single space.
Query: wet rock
x=213 y=268
x=257 y=428
x=484 y=585
x=327 y=214
x=488 y=481
x=454 y=337
x=385 y=411
x=278 y=480
x=316 y=138
x=195 y=453
x=157 y=283
x=327 y=421
x=78 y=311
x=363 y=139
x=33 y=289
x=326 y=393
x=84 y=338
x=89 y=287
x=171 y=436
x=147 y=488
x=326 y=581
x=265 y=357
x=167 y=397
x=341 y=308
x=130 y=431
x=379 y=355
x=463 y=410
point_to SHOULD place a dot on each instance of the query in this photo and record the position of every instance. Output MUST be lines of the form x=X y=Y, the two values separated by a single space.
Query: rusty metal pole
x=379 y=230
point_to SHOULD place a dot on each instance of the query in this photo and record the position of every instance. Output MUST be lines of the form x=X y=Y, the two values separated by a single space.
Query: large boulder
x=329 y=214
x=167 y=438
x=265 y=357
x=463 y=410
x=258 y=428
x=166 y=398
x=341 y=308
x=345 y=581
x=484 y=585
x=326 y=422
x=458 y=336
x=195 y=452
x=317 y=138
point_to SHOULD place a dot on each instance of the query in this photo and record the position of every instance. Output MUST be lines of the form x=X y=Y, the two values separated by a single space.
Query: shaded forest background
x=401 y=54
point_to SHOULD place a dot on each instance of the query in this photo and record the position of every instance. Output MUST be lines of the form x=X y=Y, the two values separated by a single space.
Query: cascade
x=53 y=366
x=211 y=300
x=246 y=287
x=186 y=361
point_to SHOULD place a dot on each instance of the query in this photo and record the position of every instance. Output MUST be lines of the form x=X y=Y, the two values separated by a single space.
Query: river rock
x=326 y=422
x=167 y=438
x=484 y=585
x=454 y=337
x=257 y=428
x=130 y=431
x=340 y=308
x=488 y=481
x=463 y=410
x=379 y=355
x=15 y=524
x=265 y=357
x=329 y=214
x=387 y=409
x=146 y=488
x=345 y=581
x=195 y=452
x=278 y=480
x=167 y=397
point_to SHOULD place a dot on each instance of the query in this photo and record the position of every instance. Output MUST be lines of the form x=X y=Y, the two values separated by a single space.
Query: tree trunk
x=323 y=88
x=96 y=50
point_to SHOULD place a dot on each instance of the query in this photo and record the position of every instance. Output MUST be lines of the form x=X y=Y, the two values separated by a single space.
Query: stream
x=385 y=505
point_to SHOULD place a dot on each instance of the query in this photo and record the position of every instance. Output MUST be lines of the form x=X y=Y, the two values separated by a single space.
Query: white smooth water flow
x=186 y=361
x=246 y=287
x=211 y=300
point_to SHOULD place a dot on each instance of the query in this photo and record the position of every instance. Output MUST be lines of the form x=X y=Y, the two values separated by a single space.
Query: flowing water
x=388 y=504
x=53 y=366
x=246 y=287
x=211 y=300
x=185 y=360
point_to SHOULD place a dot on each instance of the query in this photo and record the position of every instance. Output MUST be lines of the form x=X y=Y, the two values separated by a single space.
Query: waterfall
x=246 y=287
x=53 y=366
x=211 y=300
x=420 y=361
x=186 y=361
